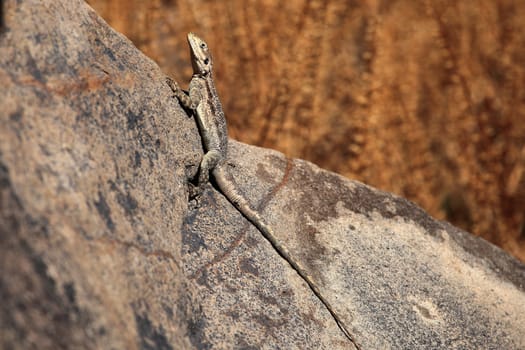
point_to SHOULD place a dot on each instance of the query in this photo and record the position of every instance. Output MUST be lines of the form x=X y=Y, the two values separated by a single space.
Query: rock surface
x=99 y=247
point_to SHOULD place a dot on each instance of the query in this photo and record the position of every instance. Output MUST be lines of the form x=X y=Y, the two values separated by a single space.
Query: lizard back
x=210 y=115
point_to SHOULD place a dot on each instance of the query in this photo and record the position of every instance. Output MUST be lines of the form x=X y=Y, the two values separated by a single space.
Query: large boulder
x=101 y=248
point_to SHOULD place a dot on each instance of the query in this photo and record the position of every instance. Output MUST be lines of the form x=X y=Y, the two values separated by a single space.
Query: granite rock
x=101 y=248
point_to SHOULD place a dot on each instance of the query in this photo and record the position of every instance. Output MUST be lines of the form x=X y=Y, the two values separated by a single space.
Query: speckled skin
x=204 y=101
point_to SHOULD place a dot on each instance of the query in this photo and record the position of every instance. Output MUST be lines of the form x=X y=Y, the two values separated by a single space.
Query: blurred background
x=425 y=99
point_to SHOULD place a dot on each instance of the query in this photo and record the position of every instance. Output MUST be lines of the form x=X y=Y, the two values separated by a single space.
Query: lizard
x=203 y=100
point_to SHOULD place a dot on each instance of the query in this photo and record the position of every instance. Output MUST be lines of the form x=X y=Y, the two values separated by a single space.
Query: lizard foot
x=174 y=86
x=195 y=191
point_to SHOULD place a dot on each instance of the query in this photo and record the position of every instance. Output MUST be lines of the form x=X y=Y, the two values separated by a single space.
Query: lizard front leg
x=181 y=95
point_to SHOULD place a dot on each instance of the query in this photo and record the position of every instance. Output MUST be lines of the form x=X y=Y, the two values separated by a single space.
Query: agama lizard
x=204 y=101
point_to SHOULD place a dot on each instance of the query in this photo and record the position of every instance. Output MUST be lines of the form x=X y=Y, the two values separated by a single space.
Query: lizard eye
x=203 y=45
x=206 y=61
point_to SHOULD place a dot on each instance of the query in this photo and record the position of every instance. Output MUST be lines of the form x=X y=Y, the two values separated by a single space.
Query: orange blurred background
x=425 y=99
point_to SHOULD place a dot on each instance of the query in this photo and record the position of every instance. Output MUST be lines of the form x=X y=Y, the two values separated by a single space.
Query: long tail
x=227 y=187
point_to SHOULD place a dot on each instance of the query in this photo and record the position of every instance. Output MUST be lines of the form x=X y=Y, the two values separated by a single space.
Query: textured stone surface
x=421 y=98
x=99 y=247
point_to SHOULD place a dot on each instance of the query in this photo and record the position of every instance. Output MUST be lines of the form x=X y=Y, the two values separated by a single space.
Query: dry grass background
x=424 y=98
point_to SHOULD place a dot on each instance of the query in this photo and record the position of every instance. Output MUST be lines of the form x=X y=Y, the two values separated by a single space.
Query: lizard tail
x=227 y=187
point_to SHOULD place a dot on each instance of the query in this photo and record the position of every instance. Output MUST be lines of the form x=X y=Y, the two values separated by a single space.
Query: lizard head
x=200 y=55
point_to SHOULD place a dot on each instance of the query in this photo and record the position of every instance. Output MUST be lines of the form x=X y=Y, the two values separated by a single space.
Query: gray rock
x=100 y=248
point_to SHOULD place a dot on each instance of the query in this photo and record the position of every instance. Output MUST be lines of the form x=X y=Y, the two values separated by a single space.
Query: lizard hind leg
x=208 y=163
